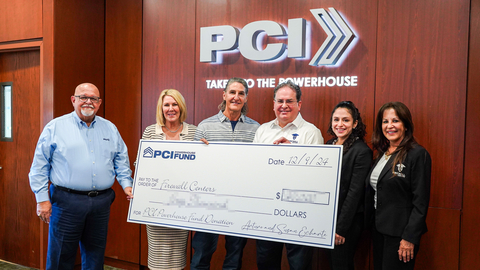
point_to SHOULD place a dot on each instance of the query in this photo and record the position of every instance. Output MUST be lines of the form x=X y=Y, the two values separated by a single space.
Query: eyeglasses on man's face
x=85 y=99
x=287 y=101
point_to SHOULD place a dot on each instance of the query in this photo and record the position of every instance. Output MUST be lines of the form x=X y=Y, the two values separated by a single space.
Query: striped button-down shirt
x=219 y=128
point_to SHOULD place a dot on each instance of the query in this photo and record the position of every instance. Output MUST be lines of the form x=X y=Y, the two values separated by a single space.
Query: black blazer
x=402 y=196
x=355 y=167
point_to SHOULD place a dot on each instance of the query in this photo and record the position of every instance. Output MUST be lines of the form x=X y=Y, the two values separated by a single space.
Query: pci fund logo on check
x=183 y=155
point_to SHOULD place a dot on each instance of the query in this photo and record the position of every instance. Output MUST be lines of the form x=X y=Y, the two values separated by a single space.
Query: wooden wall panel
x=19 y=226
x=168 y=54
x=79 y=45
x=469 y=249
x=47 y=63
x=168 y=62
x=317 y=102
x=46 y=94
x=122 y=104
x=439 y=247
x=143 y=245
x=422 y=62
x=20 y=19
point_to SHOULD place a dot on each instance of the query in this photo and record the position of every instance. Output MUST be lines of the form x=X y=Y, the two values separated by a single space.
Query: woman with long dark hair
x=347 y=127
x=398 y=189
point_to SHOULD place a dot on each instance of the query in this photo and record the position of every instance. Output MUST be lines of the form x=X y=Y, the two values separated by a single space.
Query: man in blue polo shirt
x=80 y=154
x=229 y=125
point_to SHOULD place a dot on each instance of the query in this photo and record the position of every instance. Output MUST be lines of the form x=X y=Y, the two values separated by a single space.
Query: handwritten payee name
x=186 y=186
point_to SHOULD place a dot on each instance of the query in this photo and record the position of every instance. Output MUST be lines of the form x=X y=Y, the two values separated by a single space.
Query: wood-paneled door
x=19 y=226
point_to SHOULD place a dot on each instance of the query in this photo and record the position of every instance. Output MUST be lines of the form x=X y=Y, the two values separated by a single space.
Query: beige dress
x=167 y=247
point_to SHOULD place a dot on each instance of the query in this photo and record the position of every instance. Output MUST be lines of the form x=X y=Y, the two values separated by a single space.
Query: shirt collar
x=298 y=122
x=223 y=118
x=158 y=129
x=80 y=122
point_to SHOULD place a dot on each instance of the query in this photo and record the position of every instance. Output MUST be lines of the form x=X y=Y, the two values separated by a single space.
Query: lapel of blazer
x=388 y=167
x=385 y=170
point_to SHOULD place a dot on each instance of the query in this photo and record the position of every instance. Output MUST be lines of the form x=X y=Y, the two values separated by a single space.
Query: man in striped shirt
x=229 y=125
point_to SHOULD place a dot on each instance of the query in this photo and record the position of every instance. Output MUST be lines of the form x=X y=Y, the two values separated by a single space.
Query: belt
x=91 y=193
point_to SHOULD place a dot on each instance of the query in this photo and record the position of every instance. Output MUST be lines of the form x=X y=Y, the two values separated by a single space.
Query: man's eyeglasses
x=288 y=101
x=85 y=99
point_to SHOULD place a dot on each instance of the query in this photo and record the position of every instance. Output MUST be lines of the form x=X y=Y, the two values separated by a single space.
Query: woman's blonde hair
x=175 y=94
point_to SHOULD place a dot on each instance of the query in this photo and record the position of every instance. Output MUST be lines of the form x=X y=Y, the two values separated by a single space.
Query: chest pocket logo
x=294 y=138
x=400 y=168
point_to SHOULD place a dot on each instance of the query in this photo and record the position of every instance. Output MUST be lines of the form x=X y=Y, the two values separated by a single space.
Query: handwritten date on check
x=284 y=193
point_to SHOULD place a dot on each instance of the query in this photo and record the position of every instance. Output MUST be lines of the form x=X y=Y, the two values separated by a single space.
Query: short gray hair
x=292 y=86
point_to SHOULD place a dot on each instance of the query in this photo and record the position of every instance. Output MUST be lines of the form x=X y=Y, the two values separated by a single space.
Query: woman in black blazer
x=398 y=189
x=348 y=130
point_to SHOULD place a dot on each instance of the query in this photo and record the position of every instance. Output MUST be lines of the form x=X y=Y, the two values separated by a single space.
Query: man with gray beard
x=80 y=154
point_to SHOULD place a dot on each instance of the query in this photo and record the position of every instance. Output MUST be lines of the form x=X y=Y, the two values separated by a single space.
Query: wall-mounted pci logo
x=248 y=41
x=339 y=36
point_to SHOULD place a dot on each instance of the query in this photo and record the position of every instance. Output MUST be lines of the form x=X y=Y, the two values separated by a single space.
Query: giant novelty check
x=285 y=193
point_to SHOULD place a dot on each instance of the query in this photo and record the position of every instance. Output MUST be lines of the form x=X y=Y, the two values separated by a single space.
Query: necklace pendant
x=175 y=130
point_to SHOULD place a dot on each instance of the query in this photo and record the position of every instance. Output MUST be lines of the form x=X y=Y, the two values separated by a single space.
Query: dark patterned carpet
x=7 y=265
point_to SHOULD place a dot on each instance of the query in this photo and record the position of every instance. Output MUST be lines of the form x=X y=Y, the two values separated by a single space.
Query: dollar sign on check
x=278 y=195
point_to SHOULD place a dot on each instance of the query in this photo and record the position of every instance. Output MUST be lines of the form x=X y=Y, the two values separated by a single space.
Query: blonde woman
x=167 y=246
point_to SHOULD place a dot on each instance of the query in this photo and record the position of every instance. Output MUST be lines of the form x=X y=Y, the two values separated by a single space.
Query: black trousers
x=342 y=256
x=385 y=253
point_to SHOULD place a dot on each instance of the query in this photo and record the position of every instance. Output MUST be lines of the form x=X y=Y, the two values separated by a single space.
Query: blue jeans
x=269 y=256
x=205 y=244
x=78 y=219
